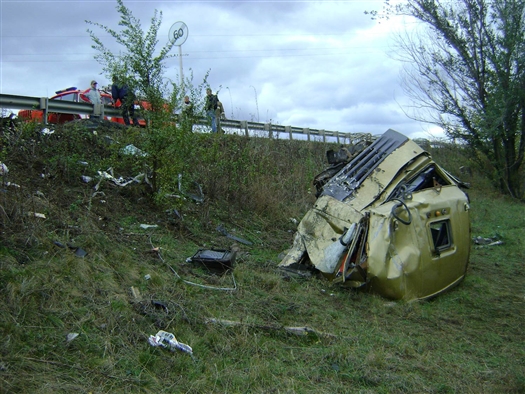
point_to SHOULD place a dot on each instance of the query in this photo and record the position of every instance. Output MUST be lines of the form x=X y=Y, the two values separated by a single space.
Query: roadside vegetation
x=463 y=68
x=58 y=201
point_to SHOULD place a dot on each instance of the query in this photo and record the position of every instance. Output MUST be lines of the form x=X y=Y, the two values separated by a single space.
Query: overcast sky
x=318 y=64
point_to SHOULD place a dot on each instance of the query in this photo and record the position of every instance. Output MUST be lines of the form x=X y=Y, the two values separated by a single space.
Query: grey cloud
x=306 y=64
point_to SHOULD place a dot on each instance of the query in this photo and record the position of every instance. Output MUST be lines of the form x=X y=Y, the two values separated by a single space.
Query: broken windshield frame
x=425 y=179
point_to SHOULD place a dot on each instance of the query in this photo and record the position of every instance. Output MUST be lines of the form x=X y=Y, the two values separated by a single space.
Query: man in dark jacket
x=120 y=91
x=211 y=107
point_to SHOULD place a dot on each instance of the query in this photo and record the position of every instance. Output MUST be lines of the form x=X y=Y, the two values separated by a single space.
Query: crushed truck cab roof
x=390 y=220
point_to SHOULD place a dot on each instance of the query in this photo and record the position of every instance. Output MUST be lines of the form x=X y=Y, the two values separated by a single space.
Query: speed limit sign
x=178 y=33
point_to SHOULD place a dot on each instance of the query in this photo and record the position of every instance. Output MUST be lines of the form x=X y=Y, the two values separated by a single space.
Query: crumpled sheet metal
x=382 y=171
x=394 y=257
x=320 y=227
x=398 y=261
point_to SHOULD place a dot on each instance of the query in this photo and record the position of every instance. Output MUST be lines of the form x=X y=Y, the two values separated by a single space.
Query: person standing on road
x=187 y=114
x=211 y=107
x=94 y=98
x=120 y=91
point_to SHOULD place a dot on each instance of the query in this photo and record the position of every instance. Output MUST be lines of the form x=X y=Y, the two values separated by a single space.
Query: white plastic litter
x=133 y=150
x=168 y=341
x=147 y=226
x=3 y=169
x=71 y=336
x=119 y=181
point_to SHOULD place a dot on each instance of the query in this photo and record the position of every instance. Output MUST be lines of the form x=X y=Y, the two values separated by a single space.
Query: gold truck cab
x=391 y=220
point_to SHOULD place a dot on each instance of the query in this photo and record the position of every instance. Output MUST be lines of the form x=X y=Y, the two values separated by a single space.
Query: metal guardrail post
x=244 y=125
x=45 y=108
x=268 y=128
x=307 y=132
x=323 y=133
x=98 y=110
x=337 y=136
x=288 y=129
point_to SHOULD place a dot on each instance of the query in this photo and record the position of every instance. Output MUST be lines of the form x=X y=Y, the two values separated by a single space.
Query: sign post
x=178 y=35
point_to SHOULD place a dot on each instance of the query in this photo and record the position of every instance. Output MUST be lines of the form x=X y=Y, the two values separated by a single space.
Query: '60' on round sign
x=178 y=33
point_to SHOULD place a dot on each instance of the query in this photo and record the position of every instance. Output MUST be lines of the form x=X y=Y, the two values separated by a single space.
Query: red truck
x=75 y=95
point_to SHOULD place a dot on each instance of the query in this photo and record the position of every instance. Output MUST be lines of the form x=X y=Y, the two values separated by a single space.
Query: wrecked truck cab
x=391 y=220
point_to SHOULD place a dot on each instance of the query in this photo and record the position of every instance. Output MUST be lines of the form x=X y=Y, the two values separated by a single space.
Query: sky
x=317 y=64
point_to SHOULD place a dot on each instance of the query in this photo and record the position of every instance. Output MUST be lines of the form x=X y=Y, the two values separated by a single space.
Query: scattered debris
x=133 y=150
x=297 y=271
x=79 y=252
x=234 y=288
x=175 y=213
x=137 y=297
x=108 y=175
x=387 y=218
x=71 y=336
x=214 y=259
x=486 y=242
x=302 y=331
x=224 y=232
x=339 y=159
x=195 y=197
x=147 y=276
x=148 y=226
x=37 y=215
x=160 y=305
x=167 y=340
x=154 y=251
x=86 y=179
x=3 y=169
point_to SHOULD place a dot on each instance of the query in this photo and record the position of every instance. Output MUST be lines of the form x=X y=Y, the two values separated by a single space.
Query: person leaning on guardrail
x=94 y=97
x=120 y=91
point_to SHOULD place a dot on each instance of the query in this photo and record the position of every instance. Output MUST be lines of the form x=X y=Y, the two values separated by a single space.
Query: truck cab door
x=443 y=214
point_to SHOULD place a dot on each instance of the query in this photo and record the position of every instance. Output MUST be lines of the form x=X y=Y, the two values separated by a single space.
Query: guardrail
x=271 y=130
x=46 y=105
x=9 y=101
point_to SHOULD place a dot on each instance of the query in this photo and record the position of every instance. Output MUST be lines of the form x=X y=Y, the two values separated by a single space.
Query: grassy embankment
x=470 y=340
